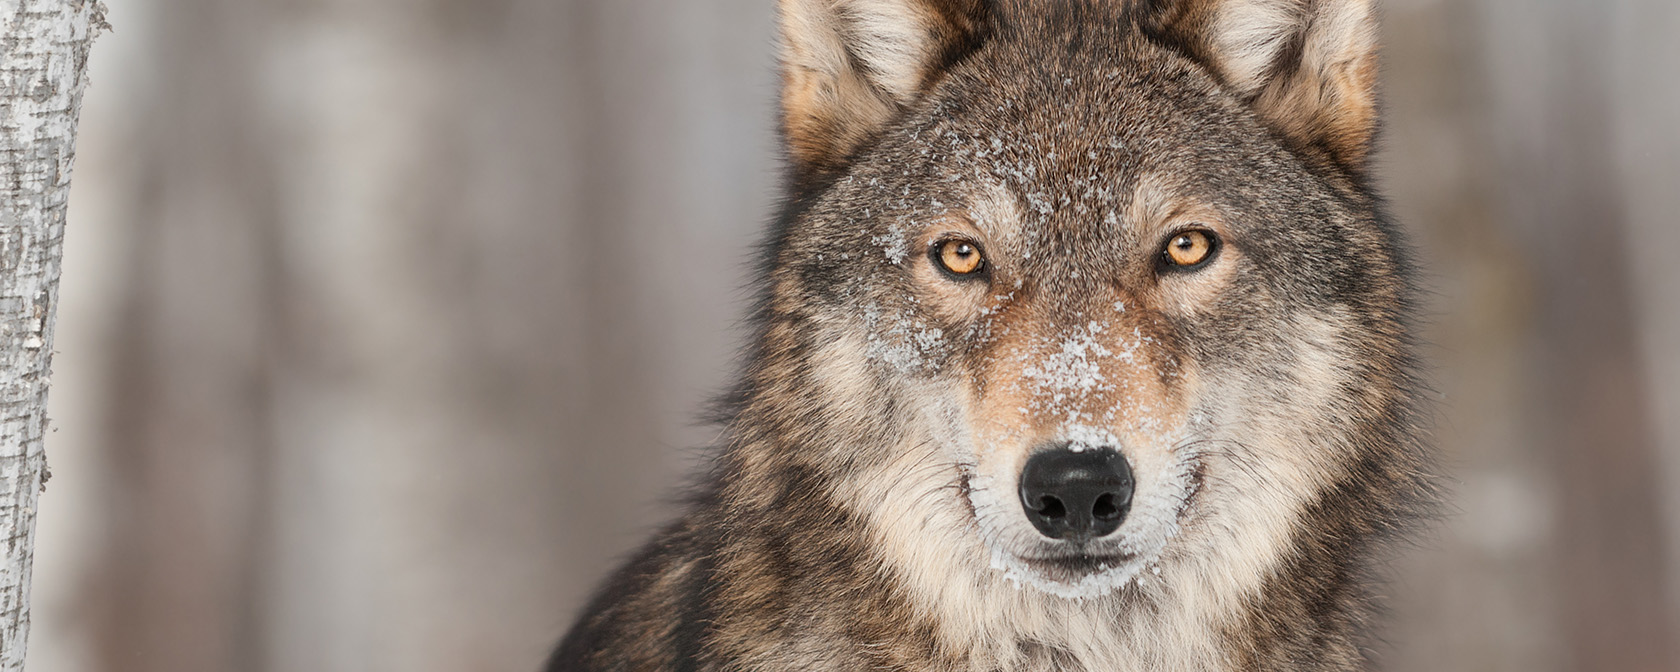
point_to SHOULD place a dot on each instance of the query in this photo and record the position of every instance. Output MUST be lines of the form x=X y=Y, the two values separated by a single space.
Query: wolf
x=1082 y=343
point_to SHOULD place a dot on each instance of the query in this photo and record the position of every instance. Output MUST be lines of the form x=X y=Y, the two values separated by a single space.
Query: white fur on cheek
x=1268 y=464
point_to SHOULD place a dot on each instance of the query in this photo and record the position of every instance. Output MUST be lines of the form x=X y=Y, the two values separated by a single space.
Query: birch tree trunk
x=43 y=70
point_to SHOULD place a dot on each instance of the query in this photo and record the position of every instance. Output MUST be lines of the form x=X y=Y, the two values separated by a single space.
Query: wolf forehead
x=1082 y=150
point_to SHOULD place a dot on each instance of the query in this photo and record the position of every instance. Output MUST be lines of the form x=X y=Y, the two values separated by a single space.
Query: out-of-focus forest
x=385 y=325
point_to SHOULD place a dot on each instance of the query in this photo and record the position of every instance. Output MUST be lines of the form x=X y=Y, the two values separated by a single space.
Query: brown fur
x=862 y=513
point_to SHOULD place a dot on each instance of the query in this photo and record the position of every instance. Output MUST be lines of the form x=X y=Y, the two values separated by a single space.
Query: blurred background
x=385 y=323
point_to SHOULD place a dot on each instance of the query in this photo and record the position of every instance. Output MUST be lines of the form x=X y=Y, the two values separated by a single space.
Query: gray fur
x=858 y=515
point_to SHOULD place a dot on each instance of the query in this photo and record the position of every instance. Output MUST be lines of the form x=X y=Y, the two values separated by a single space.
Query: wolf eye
x=958 y=256
x=1189 y=249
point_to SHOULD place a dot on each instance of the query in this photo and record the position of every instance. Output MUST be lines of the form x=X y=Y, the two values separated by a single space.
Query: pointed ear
x=1308 y=67
x=849 y=65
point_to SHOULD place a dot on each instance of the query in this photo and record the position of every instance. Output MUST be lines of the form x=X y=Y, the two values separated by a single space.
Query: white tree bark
x=43 y=70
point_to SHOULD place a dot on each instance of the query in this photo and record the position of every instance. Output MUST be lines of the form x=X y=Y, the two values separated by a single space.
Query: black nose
x=1076 y=495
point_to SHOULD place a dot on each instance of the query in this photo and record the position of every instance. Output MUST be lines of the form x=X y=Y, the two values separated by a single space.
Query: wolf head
x=1085 y=294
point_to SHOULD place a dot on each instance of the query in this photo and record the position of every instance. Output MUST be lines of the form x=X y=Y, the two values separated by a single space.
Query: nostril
x=1104 y=508
x=1051 y=507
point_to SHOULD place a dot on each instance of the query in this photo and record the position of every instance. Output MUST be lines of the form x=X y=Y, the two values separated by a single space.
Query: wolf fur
x=862 y=512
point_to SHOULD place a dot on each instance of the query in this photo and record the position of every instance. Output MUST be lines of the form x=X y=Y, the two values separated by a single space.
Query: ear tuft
x=848 y=66
x=1308 y=67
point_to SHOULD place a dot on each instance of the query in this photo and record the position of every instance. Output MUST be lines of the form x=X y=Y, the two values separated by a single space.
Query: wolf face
x=1079 y=238
x=1083 y=344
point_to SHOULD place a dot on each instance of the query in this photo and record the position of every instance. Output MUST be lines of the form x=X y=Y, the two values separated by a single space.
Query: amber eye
x=958 y=256
x=1190 y=248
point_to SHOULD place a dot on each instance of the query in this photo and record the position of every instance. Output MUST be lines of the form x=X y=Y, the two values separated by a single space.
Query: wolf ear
x=849 y=65
x=1308 y=67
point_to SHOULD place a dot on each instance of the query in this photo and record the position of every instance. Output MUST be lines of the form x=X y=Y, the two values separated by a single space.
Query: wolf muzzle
x=1076 y=495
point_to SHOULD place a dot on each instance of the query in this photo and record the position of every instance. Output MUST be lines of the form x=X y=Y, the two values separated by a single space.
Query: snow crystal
x=1072 y=367
x=893 y=245
x=904 y=343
